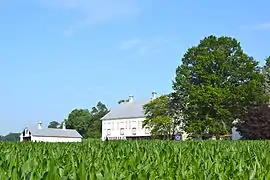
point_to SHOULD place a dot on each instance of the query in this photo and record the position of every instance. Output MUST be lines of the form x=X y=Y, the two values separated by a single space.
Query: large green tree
x=95 y=127
x=86 y=122
x=79 y=119
x=158 y=117
x=215 y=84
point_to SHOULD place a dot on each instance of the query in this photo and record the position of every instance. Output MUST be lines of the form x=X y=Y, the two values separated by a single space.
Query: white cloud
x=94 y=11
x=264 y=26
x=131 y=44
x=147 y=46
x=99 y=90
x=258 y=27
x=68 y=31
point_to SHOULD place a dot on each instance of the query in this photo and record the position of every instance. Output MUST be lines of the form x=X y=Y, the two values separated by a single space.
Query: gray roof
x=51 y=132
x=127 y=110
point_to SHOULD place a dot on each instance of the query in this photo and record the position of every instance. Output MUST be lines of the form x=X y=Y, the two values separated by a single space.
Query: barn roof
x=127 y=110
x=51 y=132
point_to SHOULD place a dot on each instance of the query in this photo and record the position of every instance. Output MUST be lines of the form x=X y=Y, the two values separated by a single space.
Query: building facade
x=126 y=121
x=40 y=134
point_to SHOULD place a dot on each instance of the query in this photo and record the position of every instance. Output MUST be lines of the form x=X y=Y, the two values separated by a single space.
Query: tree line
x=217 y=86
x=11 y=137
x=86 y=122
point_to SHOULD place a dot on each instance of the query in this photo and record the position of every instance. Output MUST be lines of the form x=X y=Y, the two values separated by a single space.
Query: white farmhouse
x=40 y=134
x=126 y=121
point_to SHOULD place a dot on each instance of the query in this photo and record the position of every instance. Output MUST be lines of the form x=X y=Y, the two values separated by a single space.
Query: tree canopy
x=215 y=84
x=158 y=117
x=86 y=122
x=255 y=124
x=54 y=124
x=11 y=137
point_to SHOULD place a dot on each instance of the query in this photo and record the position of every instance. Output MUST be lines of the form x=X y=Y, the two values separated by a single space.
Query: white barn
x=40 y=134
x=126 y=120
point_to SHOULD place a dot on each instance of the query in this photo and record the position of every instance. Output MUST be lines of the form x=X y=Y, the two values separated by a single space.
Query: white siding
x=54 y=139
x=122 y=128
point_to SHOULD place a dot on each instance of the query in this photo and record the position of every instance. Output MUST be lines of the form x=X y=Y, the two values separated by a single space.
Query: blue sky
x=57 y=55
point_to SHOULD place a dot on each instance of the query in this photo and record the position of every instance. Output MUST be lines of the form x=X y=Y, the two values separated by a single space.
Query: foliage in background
x=122 y=101
x=54 y=124
x=128 y=160
x=255 y=124
x=158 y=117
x=215 y=84
x=11 y=137
x=266 y=73
x=86 y=122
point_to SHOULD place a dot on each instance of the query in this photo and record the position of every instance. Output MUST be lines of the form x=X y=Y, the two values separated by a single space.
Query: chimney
x=130 y=98
x=39 y=125
x=154 y=95
x=64 y=125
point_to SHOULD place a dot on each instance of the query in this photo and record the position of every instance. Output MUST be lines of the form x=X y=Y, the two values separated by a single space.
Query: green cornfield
x=136 y=160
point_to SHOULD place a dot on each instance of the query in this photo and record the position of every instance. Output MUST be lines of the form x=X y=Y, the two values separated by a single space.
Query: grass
x=136 y=160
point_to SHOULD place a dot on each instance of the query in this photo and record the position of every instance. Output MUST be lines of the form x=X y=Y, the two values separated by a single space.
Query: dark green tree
x=95 y=127
x=214 y=85
x=86 y=122
x=255 y=124
x=79 y=119
x=11 y=137
x=53 y=124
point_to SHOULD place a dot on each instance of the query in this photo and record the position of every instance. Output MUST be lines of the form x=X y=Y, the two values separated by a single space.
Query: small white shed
x=40 y=134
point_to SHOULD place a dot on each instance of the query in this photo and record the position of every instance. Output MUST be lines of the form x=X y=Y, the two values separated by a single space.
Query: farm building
x=125 y=122
x=40 y=134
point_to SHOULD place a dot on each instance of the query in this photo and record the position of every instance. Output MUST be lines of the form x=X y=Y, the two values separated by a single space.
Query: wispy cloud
x=258 y=27
x=131 y=44
x=264 y=26
x=146 y=46
x=94 y=11
x=68 y=31
x=99 y=90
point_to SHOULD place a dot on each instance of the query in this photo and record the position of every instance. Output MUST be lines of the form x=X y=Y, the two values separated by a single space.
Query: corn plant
x=129 y=160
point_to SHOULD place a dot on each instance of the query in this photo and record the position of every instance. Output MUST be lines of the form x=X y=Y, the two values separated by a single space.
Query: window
x=129 y=124
x=126 y=124
x=147 y=130
x=112 y=125
x=122 y=131
x=104 y=125
x=108 y=132
x=134 y=124
x=117 y=125
x=140 y=125
x=134 y=131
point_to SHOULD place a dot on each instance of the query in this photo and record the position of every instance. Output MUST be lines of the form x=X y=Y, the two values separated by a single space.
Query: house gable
x=127 y=110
